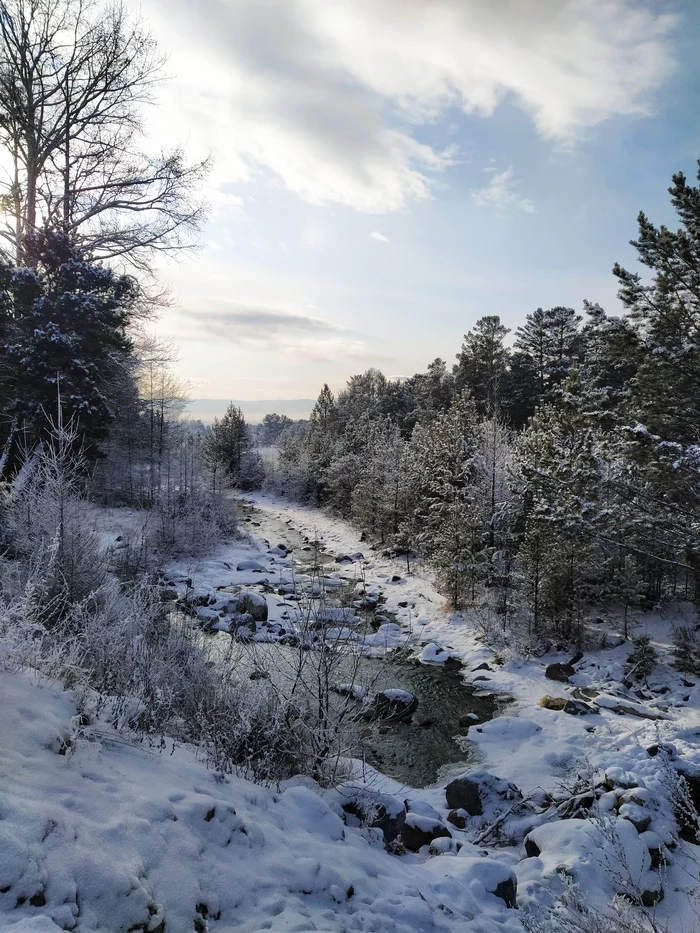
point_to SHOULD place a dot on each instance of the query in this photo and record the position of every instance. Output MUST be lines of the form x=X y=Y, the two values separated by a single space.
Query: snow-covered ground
x=98 y=833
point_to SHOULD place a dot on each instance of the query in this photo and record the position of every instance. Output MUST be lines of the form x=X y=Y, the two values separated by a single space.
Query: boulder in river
x=394 y=704
x=250 y=603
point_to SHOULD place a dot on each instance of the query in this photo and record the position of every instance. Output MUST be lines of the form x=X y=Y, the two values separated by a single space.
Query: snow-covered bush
x=49 y=537
x=686 y=649
x=151 y=675
x=643 y=660
x=573 y=912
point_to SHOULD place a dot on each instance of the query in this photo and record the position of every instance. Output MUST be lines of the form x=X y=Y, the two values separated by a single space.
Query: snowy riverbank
x=99 y=833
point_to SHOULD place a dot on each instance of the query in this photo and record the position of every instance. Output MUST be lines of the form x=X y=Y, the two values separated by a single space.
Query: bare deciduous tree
x=75 y=76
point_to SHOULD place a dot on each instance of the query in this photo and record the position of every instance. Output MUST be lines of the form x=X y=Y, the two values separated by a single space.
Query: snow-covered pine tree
x=543 y=351
x=229 y=443
x=62 y=323
x=318 y=445
x=482 y=363
x=560 y=476
x=661 y=407
x=454 y=529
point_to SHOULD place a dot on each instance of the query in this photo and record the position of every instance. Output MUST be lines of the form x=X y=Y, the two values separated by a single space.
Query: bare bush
x=573 y=913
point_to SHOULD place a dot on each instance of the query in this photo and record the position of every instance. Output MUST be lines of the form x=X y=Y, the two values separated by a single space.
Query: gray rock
x=394 y=704
x=652 y=897
x=458 y=818
x=507 y=891
x=381 y=811
x=559 y=672
x=421 y=825
x=472 y=790
x=252 y=565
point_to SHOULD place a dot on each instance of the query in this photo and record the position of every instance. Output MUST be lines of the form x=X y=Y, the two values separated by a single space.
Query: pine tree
x=560 y=475
x=543 y=351
x=482 y=363
x=63 y=332
x=453 y=526
x=659 y=411
x=320 y=438
x=229 y=443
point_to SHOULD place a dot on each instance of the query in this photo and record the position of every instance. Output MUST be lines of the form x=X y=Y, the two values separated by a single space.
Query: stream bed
x=418 y=752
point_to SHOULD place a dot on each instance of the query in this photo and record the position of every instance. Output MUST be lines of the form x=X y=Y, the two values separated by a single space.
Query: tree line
x=541 y=478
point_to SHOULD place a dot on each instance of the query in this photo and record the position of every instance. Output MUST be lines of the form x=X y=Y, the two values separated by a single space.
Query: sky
x=386 y=172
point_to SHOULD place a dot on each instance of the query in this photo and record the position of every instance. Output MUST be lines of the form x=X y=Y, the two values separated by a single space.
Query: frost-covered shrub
x=192 y=523
x=643 y=660
x=686 y=649
x=48 y=533
x=150 y=674
x=572 y=912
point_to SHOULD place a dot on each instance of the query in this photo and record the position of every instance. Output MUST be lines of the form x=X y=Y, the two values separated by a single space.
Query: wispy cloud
x=379 y=237
x=325 y=97
x=500 y=193
x=236 y=322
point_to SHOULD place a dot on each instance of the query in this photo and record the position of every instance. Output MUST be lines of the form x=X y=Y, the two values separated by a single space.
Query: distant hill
x=254 y=410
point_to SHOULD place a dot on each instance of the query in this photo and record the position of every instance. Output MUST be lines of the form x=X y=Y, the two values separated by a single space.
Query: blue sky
x=388 y=171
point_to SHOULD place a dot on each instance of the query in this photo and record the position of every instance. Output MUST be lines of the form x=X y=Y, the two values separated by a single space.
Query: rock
x=251 y=565
x=380 y=811
x=351 y=690
x=507 y=890
x=458 y=818
x=259 y=675
x=467 y=719
x=554 y=703
x=496 y=877
x=470 y=791
x=168 y=593
x=579 y=708
x=532 y=850
x=584 y=693
x=253 y=604
x=422 y=825
x=396 y=578
x=481 y=667
x=418 y=832
x=655 y=846
x=206 y=616
x=573 y=707
x=636 y=815
x=441 y=845
x=367 y=603
x=626 y=707
x=393 y=704
x=618 y=777
x=560 y=672
x=652 y=897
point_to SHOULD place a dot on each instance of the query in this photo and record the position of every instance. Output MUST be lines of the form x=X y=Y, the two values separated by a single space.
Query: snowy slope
x=115 y=837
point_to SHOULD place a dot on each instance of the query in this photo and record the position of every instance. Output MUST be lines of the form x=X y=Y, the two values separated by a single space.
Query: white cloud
x=500 y=192
x=325 y=95
x=379 y=237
